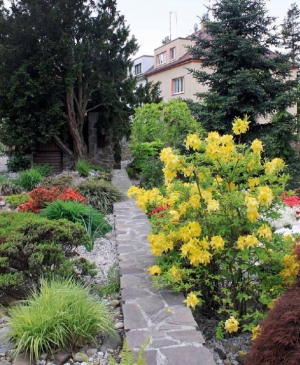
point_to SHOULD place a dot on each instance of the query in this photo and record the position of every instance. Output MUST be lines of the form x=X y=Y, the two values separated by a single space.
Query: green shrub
x=44 y=170
x=129 y=358
x=74 y=211
x=29 y=179
x=100 y=195
x=32 y=246
x=113 y=281
x=18 y=163
x=151 y=174
x=58 y=181
x=17 y=199
x=60 y=315
x=83 y=167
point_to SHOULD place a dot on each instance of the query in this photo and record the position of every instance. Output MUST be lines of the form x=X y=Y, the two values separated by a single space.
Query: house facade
x=172 y=62
x=139 y=68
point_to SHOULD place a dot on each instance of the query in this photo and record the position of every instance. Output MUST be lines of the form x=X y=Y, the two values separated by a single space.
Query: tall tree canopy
x=61 y=59
x=291 y=33
x=246 y=78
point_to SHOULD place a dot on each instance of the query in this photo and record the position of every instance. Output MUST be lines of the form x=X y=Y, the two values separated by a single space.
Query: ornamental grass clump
x=213 y=240
x=60 y=315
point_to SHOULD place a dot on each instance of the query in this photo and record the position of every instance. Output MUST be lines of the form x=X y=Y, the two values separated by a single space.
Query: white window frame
x=162 y=58
x=173 y=54
x=178 y=85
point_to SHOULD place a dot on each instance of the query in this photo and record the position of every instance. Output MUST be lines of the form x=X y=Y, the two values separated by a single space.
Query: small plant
x=61 y=315
x=129 y=358
x=74 y=211
x=83 y=167
x=18 y=163
x=58 y=181
x=44 y=170
x=9 y=188
x=17 y=199
x=29 y=179
x=113 y=281
x=100 y=195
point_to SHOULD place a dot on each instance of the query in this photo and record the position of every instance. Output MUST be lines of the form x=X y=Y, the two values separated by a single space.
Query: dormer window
x=161 y=58
x=172 y=54
x=138 y=69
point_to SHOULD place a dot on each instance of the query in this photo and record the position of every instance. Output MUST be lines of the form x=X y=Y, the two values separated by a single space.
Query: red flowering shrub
x=41 y=196
x=278 y=340
x=292 y=200
x=158 y=209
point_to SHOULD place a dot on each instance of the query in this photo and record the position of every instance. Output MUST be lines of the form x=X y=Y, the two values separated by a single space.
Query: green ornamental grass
x=61 y=315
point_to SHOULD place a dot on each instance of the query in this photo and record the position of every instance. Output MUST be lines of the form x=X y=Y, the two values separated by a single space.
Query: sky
x=149 y=20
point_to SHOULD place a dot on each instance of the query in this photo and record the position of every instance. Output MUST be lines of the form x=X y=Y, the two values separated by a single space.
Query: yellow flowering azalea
x=154 y=270
x=231 y=325
x=265 y=195
x=175 y=273
x=257 y=146
x=191 y=300
x=265 y=231
x=252 y=182
x=240 y=126
x=217 y=243
x=213 y=205
x=193 y=141
x=256 y=331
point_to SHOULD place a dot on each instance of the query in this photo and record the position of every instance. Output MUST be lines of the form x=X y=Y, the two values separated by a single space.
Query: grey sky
x=149 y=20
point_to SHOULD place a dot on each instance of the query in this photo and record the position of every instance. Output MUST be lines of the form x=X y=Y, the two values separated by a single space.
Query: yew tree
x=245 y=77
x=57 y=58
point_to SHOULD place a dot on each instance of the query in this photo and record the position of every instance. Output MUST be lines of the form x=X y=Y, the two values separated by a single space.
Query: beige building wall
x=191 y=86
x=178 y=44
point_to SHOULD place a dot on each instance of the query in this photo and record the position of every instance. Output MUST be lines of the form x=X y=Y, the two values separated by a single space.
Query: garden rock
x=111 y=342
x=61 y=357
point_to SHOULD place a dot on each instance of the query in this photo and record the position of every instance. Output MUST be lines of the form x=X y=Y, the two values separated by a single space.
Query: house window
x=161 y=58
x=172 y=54
x=178 y=85
x=138 y=69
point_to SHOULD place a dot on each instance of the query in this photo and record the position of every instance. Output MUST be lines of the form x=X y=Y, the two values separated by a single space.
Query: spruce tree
x=291 y=33
x=246 y=77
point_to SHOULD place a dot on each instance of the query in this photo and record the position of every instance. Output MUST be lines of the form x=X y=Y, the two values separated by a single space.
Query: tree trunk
x=80 y=147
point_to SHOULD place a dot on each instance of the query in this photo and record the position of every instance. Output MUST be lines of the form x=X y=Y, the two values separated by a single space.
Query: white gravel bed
x=104 y=254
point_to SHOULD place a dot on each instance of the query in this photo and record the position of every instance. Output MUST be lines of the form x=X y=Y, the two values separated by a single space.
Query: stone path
x=150 y=314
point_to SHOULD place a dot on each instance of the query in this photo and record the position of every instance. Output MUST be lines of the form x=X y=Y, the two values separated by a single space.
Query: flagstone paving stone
x=159 y=316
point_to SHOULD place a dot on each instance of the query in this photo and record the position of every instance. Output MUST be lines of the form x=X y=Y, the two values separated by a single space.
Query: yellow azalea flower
x=230 y=186
x=212 y=137
x=252 y=206
x=175 y=273
x=256 y=331
x=252 y=182
x=231 y=325
x=247 y=241
x=191 y=300
x=193 y=141
x=265 y=232
x=169 y=174
x=217 y=243
x=274 y=166
x=154 y=270
x=174 y=216
x=194 y=201
x=133 y=190
x=169 y=310
x=213 y=206
x=251 y=165
x=291 y=267
x=199 y=257
x=240 y=126
x=257 y=146
x=265 y=195
x=183 y=208
x=170 y=160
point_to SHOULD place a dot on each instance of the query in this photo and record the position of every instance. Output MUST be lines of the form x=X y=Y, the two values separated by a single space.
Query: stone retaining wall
x=150 y=314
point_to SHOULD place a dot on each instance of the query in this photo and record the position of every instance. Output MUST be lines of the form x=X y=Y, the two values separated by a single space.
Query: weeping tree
x=57 y=58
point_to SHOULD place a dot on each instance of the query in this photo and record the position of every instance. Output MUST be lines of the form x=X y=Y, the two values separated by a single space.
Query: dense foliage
x=211 y=227
x=60 y=315
x=246 y=78
x=291 y=33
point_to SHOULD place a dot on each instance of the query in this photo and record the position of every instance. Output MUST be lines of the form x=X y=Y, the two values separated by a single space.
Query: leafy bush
x=100 y=195
x=60 y=315
x=44 y=170
x=58 y=181
x=17 y=199
x=151 y=174
x=83 y=167
x=18 y=163
x=29 y=179
x=74 y=211
x=40 y=196
x=32 y=246
x=212 y=239
x=276 y=339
